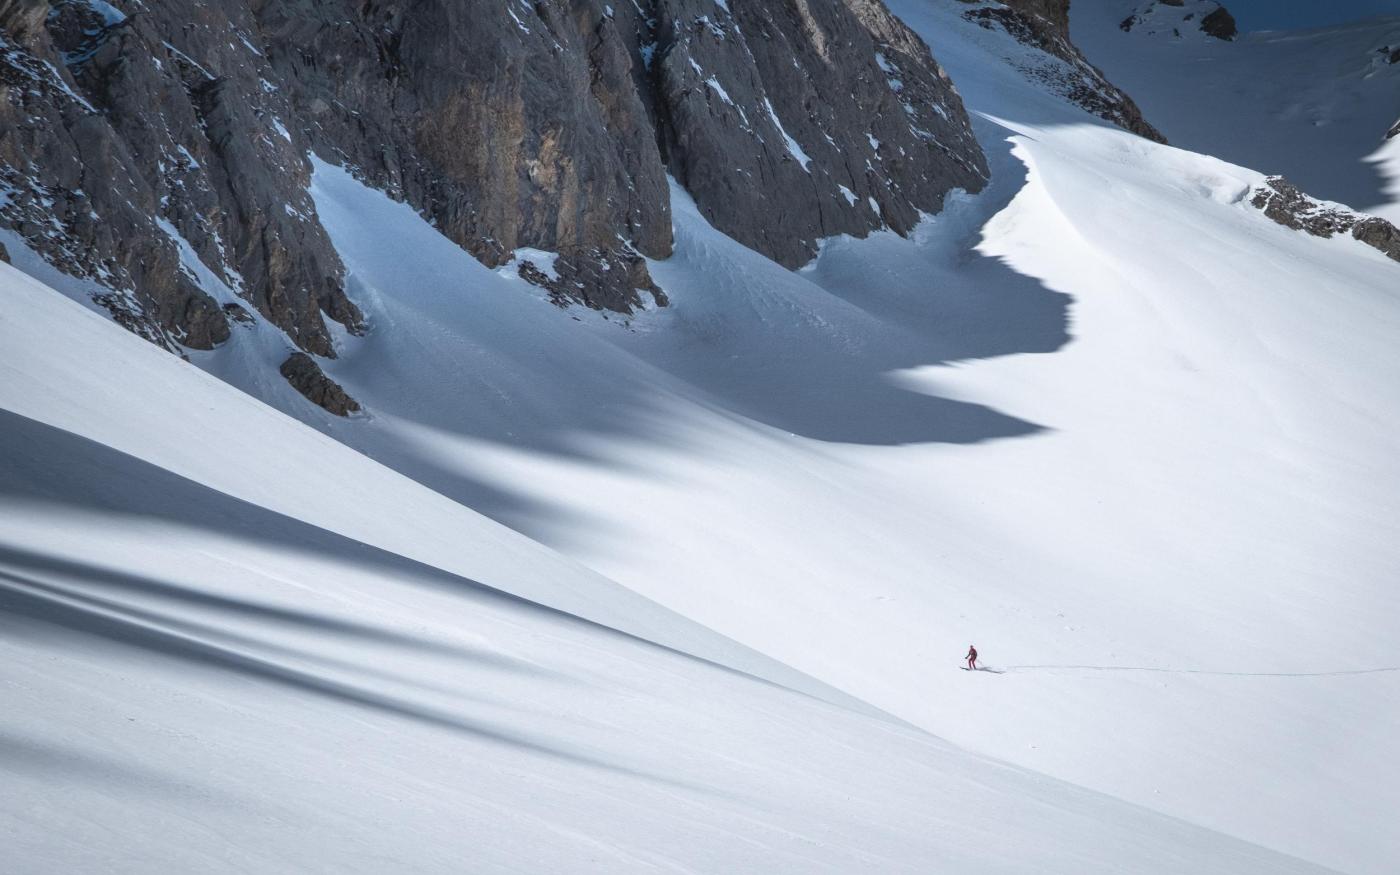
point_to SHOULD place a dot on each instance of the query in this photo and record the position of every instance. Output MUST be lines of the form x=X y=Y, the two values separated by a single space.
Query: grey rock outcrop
x=1283 y=202
x=139 y=137
x=1379 y=234
x=1044 y=25
x=579 y=278
x=307 y=378
x=1208 y=16
x=1219 y=24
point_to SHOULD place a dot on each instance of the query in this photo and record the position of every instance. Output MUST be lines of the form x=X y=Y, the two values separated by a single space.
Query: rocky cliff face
x=137 y=137
x=123 y=136
x=1044 y=25
x=796 y=120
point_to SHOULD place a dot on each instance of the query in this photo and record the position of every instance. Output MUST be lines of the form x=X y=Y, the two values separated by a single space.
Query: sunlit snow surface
x=1104 y=420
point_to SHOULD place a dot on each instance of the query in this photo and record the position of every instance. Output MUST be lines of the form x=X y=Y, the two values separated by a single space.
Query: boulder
x=307 y=378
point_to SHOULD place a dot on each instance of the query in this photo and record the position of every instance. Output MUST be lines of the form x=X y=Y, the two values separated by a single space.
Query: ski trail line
x=1246 y=674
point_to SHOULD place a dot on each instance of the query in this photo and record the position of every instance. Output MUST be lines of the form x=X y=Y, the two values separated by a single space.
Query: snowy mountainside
x=1104 y=419
x=200 y=681
x=970 y=421
x=1312 y=105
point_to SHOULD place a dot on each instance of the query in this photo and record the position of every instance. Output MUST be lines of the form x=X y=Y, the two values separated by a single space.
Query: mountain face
x=132 y=129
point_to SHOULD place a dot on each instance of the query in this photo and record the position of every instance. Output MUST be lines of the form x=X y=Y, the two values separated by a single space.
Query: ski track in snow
x=1237 y=674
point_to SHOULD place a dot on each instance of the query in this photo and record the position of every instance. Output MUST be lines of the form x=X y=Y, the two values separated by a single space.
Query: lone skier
x=971 y=658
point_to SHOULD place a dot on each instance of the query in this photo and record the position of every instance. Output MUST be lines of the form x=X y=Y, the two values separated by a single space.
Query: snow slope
x=1104 y=420
x=1313 y=105
x=196 y=681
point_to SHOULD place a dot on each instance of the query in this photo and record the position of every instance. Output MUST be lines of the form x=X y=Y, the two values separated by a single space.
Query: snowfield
x=195 y=681
x=688 y=591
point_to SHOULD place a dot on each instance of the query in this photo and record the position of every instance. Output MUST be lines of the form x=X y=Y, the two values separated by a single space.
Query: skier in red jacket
x=971 y=657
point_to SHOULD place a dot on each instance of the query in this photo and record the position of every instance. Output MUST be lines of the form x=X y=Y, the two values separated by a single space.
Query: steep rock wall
x=133 y=131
